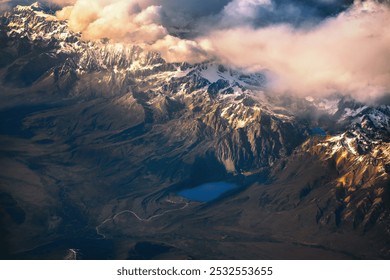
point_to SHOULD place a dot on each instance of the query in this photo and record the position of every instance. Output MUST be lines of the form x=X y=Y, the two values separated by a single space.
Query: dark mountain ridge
x=97 y=139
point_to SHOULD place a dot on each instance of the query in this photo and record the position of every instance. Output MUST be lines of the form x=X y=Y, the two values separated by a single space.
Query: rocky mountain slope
x=97 y=138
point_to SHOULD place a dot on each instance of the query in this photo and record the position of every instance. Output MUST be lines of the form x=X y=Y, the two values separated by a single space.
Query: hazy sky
x=195 y=14
x=308 y=47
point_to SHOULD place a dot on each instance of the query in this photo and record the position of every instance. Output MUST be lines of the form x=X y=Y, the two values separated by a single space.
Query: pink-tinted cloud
x=345 y=54
x=120 y=20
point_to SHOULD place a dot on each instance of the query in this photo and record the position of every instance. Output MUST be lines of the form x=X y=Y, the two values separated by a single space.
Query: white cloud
x=245 y=8
x=346 y=54
x=120 y=20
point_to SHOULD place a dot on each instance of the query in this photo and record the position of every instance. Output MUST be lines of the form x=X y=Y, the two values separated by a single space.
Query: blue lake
x=207 y=192
x=318 y=131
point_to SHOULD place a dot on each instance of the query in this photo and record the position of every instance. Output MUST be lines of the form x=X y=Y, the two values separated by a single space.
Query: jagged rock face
x=244 y=136
x=98 y=128
x=361 y=156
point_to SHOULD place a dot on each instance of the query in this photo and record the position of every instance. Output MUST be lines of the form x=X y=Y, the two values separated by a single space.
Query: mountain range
x=98 y=140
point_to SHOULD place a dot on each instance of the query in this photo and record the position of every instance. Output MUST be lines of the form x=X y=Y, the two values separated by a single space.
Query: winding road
x=137 y=217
